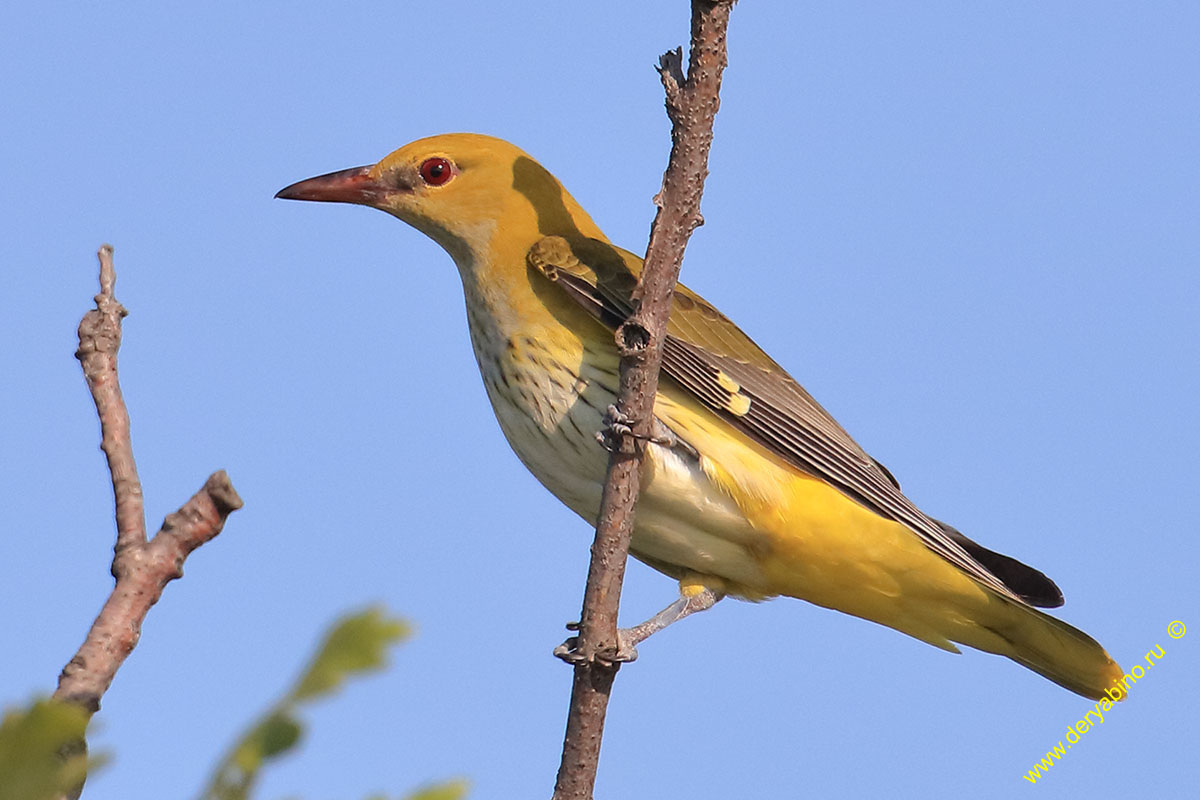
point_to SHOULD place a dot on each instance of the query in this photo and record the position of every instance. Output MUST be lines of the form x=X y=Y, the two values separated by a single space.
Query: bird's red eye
x=436 y=171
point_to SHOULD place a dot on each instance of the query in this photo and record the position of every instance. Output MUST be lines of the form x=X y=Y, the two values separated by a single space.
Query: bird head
x=466 y=191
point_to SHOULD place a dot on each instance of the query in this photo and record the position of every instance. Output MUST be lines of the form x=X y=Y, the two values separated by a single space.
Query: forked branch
x=141 y=568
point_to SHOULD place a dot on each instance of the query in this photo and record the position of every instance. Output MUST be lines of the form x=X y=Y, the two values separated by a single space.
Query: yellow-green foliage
x=42 y=754
x=356 y=644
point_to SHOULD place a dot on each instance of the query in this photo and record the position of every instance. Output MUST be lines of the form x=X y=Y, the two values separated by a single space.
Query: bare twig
x=141 y=568
x=692 y=104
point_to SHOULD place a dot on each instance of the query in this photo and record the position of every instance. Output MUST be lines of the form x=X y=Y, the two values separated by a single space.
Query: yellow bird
x=752 y=490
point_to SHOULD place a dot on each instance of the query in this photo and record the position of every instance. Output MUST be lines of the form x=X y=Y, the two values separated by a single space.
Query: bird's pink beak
x=346 y=186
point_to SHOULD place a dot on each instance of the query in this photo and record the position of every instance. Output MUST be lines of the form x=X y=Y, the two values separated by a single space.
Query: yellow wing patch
x=737 y=403
x=728 y=384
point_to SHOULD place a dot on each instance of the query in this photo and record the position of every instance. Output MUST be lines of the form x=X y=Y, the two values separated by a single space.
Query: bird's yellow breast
x=551 y=372
x=721 y=510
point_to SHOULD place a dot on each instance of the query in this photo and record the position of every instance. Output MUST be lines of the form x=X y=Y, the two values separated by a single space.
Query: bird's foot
x=569 y=651
x=618 y=425
x=700 y=598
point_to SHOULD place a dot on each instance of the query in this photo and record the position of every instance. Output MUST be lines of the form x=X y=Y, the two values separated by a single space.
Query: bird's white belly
x=684 y=523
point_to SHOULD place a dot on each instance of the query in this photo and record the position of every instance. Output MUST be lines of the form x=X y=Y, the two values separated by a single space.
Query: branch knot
x=633 y=339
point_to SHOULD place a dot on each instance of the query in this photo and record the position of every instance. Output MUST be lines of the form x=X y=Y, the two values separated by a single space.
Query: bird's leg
x=688 y=604
x=694 y=599
x=666 y=437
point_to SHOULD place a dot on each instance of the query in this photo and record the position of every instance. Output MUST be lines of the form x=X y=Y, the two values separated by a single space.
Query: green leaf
x=450 y=790
x=357 y=644
x=272 y=737
x=42 y=750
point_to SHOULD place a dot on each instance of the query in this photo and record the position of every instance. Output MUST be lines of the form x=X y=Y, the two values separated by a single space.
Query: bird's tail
x=1049 y=647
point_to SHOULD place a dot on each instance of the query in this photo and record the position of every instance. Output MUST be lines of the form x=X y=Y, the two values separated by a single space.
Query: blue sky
x=968 y=229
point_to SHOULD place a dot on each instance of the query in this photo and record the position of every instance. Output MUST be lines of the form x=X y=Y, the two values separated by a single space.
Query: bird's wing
x=710 y=357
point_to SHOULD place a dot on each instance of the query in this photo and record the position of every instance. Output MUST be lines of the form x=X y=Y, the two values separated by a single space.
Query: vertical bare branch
x=99 y=341
x=692 y=104
x=141 y=568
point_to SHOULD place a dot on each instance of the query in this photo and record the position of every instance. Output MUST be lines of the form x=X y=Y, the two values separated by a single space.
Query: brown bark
x=692 y=104
x=141 y=568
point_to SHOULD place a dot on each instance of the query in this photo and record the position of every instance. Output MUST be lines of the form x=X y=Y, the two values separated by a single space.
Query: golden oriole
x=756 y=491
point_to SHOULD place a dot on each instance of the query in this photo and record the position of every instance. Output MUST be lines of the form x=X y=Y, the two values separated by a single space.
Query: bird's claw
x=618 y=424
x=614 y=417
x=569 y=652
x=626 y=651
